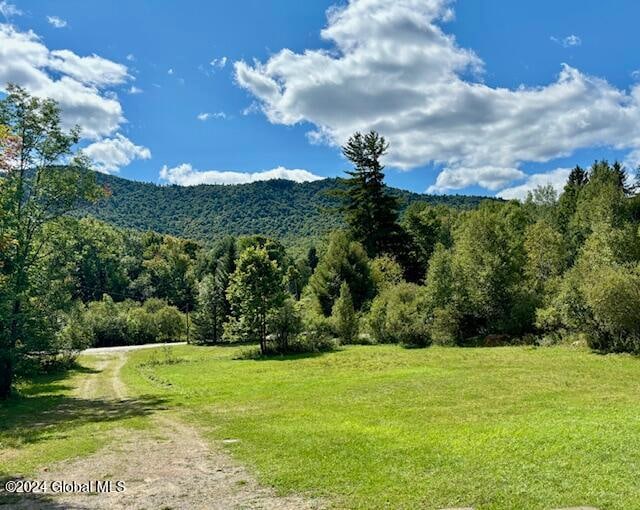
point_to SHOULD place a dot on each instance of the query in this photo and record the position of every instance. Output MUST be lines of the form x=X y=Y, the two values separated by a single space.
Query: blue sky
x=472 y=95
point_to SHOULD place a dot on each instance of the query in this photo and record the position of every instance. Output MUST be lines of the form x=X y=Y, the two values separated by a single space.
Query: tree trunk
x=263 y=336
x=6 y=374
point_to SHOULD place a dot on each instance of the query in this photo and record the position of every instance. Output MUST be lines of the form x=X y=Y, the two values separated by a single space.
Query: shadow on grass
x=39 y=501
x=255 y=355
x=34 y=418
x=43 y=407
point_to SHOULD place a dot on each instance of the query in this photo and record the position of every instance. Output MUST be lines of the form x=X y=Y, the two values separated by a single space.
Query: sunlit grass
x=386 y=427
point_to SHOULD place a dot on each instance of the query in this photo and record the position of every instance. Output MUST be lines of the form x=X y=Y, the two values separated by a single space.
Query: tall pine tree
x=370 y=210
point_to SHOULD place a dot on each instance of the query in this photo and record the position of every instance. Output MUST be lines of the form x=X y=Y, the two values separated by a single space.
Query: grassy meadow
x=388 y=427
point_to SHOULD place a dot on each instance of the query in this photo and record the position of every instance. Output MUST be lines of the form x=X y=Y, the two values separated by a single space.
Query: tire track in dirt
x=166 y=465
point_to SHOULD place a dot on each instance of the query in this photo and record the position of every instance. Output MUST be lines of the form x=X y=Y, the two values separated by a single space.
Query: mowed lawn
x=388 y=427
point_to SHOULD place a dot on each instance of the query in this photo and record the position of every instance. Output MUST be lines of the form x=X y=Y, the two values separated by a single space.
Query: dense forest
x=289 y=211
x=550 y=269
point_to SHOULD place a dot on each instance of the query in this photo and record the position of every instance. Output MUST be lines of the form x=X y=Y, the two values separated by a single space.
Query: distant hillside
x=284 y=209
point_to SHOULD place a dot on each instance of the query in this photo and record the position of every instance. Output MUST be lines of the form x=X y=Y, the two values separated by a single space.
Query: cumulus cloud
x=111 y=154
x=9 y=10
x=186 y=175
x=91 y=70
x=56 y=22
x=556 y=178
x=78 y=84
x=489 y=177
x=208 y=115
x=134 y=90
x=391 y=66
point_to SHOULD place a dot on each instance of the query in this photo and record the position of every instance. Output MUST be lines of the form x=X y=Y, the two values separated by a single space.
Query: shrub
x=343 y=316
x=105 y=323
x=285 y=324
x=171 y=324
x=444 y=328
x=141 y=326
x=613 y=296
x=108 y=326
x=399 y=315
x=385 y=272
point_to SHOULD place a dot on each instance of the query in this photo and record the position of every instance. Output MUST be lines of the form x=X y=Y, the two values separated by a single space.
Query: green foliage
x=399 y=314
x=212 y=307
x=385 y=271
x=42 y=180
x=371 y=212
x=344 y=261
x=343 y=316
x=285 y=324
x=487 y=270
x=613 y=297
x=427 y=227
x=107 y=323
x=255 y=291
x=298 y=214
x=546 y=253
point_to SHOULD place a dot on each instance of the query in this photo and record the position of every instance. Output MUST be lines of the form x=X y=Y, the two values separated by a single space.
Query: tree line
x=546 y=270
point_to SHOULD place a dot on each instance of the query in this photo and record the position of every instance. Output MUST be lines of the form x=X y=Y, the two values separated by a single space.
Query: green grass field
x=387 y=427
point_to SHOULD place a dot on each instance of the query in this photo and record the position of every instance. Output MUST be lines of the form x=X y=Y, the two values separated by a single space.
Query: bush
x=343 y=316
x=444 y=328
x=285 y=324
x=386 y=272
x=141 y=326
x=105 y=323
x=613 y=296
x=171 y=324
x=399 y=315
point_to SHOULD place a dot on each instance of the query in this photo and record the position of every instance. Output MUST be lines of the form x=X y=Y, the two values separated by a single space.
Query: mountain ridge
x=284 y=209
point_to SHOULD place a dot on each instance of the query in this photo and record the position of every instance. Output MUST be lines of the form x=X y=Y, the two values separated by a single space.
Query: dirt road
x=168 y=465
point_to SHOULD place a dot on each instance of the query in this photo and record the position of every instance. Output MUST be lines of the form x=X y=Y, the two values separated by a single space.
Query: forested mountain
x=283 y=209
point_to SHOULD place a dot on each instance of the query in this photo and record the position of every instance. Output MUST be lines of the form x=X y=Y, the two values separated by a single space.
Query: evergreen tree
x=344 y=261
x=312 y=258
x=212 y=306
x=370 y=210
x=344 y=316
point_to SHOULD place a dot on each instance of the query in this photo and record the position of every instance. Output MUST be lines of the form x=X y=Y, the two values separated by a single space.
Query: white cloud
x=254 y=107
x=131 y=57
x=391 y=67
x=56 y=22
x=134 y=90
x=9 y=10
x=569 y=41
x=170 y=71
x=207 y=115
x=489 y=177
x=77 y=86
x=557 y=178
x=91 y=70
x=219 y=63
x=186 y=175
x=110 y=154
x=635 y=74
